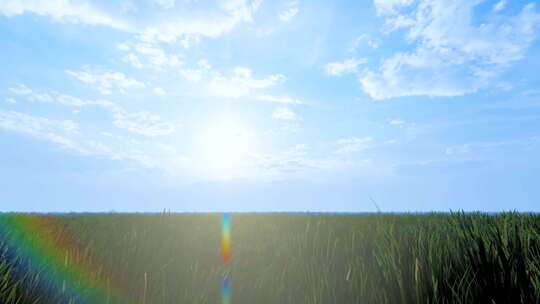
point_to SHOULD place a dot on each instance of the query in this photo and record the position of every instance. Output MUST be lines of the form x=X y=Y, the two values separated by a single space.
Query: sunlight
x=225 y=148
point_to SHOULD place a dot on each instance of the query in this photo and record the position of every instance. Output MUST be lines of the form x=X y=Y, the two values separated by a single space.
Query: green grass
x=295 y=258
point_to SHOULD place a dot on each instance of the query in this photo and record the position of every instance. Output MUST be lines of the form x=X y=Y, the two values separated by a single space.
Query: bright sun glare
x=226 y=148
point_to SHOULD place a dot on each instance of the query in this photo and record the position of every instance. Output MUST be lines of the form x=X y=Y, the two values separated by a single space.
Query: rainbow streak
x=226 y=253
x=49 y=250
x=226 y=290
x=226 y=238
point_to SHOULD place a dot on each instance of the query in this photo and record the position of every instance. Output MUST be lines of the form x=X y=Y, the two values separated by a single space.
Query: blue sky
x=269 y=105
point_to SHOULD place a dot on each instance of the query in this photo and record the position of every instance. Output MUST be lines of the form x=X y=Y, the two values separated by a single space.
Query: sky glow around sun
x=269 y=105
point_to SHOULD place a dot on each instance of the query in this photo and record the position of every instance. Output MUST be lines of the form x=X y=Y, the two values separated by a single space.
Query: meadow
x=276 y=258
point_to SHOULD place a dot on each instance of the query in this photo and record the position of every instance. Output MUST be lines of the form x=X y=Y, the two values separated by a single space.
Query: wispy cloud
x=196 y=74
x=26 y=123
x=64 y=133
x=20 y=90
x=213 y=23
x=481 y=148
x=280 y=99
x=361 y=39
x=11 y=101
x=353 y=144
x=453 y=56
x=141 y=122
x=499 y=6
x=166 y=4
x=240 y=83
x=347 y=66
x=63 y=11
x=133 y=60
x=390 y=7
x=140 y=54
x=396 y=122
x=106 y=81
x=42 y=128
x=296 y=162
x=299 y=161
x=290 y=11
x=531 y=92
x=285 y=113
x=48 y=97
x=159 y=91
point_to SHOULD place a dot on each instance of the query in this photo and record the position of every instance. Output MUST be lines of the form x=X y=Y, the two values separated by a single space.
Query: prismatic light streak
x=226 y=255
x=226 y=290
x=226 y=239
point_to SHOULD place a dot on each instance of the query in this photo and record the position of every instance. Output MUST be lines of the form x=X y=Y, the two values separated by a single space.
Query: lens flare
x=43 y=243
x=226 y=254
x=226 y=290
x=226 y=239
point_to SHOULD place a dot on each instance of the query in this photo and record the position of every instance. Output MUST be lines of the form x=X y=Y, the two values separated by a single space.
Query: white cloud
x=193 y=75
x=159 y=91
x=133 y=60
x=499 y=6
x=42 y=128
x=297 y=162
x=143 y=123
x=64 y=11
x=284 y=113
x=64 y=133
x=453 y=56
x=212 y=24
x=483 y=148
x=20 y=89
x=292 y=161
x=157 y=57
x=203 y=64
x=16 y=121
x=344 y=67
x=356 y=42
x=291 y=10
x=106 y=81
x=11 y=101
x=124 y=46
x=240 y=83
x=353 y=144
x=387 y=7
x=396 y=122
x=422 y=73
x=531 y=92
x=128 y=6
x=140 y=54
x=196 y=74
x=280 y=99
x=48 y=97
x=476 y=147
x=68 y=100
x=373 y=44
x=166 y=4
x=186 y=25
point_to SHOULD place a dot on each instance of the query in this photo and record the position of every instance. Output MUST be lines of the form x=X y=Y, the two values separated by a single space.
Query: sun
x=226 y=147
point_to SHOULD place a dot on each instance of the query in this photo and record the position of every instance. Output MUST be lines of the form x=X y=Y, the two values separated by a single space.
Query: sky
x=286 y=105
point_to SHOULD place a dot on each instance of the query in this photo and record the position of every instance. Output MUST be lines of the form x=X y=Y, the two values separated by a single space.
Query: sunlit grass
x=295 y=258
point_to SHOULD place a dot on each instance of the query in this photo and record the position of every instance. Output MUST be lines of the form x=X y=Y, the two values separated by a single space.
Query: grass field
x=276 y=258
